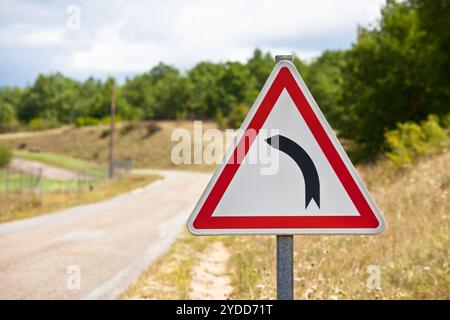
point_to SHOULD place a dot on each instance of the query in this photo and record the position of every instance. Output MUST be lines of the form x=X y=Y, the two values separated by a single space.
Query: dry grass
x=25 y=206
x=412 y=253
x=148 y=144
x=170 y=276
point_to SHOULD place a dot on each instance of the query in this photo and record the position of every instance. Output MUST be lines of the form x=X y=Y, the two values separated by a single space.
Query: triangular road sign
x=312 y=189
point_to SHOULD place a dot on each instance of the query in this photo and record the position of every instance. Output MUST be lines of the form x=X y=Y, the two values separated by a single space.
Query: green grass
x=57 y=160
x=15 y=206
x=16 y=182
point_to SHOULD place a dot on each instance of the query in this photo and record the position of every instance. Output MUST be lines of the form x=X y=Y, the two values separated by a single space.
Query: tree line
x=397 y=71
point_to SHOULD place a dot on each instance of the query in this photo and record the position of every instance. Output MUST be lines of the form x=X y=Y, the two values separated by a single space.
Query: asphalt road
x=95 y=251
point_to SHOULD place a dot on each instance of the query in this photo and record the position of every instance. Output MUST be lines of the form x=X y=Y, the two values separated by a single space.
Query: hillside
x=411 y=254
x=148 y=144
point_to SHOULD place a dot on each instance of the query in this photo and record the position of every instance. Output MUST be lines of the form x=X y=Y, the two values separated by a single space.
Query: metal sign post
x=285 y=249
x=285 y=267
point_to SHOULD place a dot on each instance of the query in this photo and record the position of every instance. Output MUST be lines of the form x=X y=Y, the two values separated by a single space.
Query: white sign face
x=302 y=182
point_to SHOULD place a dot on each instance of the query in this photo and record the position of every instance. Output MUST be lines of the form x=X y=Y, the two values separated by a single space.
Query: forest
x=396 y=72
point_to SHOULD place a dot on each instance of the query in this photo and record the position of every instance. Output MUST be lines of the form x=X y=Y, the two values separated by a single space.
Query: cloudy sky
x=122 y=38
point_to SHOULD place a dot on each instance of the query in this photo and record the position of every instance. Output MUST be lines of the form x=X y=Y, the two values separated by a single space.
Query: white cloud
x=24 y=36
x=131 y=36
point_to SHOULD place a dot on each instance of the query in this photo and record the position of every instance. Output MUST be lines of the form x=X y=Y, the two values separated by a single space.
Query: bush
x=128 y=128
x=220 y=119
x=234 y=119
x=90 y=121
x=5 y=156
x=42 y=124
x=22 y=146
x=411 y=140
x=8 y=119
x=237 y=116
x=104 y=134
x=152 y=128
x=107 y=119
x=86 y=121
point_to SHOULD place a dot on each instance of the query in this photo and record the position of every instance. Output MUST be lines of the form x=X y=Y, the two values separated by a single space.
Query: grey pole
x=285 y=248
x=285 y=267
x=112 y=130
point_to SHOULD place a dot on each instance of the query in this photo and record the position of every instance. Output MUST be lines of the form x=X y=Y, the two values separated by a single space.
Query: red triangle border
x=367 y=219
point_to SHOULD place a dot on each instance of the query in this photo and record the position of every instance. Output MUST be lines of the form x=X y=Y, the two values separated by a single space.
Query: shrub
x=411 y=140
x=22 y=146
x=42 y=124
x=237 y=115
x=104 y=134
x=152 y=128
x=128 y=128
x=234 y=119
x=86 y=121
x=445 y=120
x=220 y=119
x=107 y=119
x=90 y=121
x=5 y=156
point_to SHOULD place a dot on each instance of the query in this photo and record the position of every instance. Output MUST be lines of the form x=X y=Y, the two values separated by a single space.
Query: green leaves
x=389 y=78
x=411 y=140
x=5 y=156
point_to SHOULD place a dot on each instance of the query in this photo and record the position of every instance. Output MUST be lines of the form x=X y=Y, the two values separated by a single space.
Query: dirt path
x=210 y=278
x=49 y=172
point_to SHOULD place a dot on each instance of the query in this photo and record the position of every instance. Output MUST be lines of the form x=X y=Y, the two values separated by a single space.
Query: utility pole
x=112 y=129
x=285 y=248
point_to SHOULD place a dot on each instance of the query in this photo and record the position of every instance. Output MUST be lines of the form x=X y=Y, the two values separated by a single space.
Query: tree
x=101 y=105
x=172 y=95
x=10 y=98
x=325 y=81
x=51 y=97
x=87 y=93
x=237 y=85
x=434 y=20
x=139 y=93
x=260 y=66
x=172 y=92
x=205 y=79
x=385 y=78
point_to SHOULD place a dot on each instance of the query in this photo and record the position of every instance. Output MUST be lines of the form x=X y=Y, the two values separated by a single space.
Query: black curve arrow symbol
x=304 y=162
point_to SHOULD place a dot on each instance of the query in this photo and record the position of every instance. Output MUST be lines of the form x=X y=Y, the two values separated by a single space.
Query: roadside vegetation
x=57 y=160
x=27 y=192
x=5 y=156
x=170 y=276
x=412 y=253
x=21 y=206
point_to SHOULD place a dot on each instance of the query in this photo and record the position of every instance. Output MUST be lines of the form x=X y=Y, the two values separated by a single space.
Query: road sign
x=315 y=188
